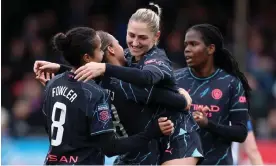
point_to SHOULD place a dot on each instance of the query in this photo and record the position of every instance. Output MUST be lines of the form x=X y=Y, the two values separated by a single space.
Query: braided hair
x=222 y=57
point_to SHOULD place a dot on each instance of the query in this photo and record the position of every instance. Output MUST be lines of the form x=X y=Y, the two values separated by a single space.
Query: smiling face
x=195 y=49
x=140 y=39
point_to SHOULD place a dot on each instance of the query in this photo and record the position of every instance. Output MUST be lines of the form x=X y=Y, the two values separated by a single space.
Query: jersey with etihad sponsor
x=130 y=106
x=160 y=67
x=223 y=95
x=126 y=110
x=156 y=63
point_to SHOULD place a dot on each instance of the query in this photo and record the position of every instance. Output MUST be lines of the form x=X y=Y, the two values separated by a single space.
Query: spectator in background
x=272 y=123
x=258 y=104
x=31 y=27
x=4 y=121
x=175 y=49
x=260 y=63
x=261 y=67
x=26 y=110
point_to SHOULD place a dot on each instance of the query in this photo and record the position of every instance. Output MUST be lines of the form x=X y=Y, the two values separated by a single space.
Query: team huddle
x=131 y=103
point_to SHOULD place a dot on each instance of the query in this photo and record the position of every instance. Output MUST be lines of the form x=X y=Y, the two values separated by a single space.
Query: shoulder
x=233 y=83
x=181 y=72
x=157 y=52
x=53 y=81
x=158 y=56
x=93 y=91
x=224 y=76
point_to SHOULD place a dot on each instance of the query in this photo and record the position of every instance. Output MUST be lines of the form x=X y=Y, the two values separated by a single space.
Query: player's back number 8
x=58 y=124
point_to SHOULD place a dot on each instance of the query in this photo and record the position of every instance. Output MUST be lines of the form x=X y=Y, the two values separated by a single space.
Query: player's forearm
x=112 y=146
x=132 y=75
x=251 y=149
x=165 y=97
x=237 y=132
x=168 y=99
x=117 y=146
x=234 y=133
x=255 y=158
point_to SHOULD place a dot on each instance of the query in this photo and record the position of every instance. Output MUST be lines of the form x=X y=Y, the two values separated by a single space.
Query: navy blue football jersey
x=156 y=63
x=126 y=110
x=75 y=112
x=223 y=95
x=130 y=118
x=159 y=65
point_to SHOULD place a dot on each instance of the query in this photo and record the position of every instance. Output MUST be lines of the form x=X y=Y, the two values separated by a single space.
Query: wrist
x=154 y=130
x=107 y=68
x=58 y=66
x=103 y=68
x=207 y=122
x=187 y=108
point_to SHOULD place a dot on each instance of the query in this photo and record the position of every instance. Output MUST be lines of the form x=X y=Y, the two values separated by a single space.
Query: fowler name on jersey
x=64 y=91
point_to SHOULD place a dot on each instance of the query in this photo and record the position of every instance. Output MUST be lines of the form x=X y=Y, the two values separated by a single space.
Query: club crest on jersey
x=155 y=61
x=242 y=99
x=150 y=61
x=217 y=94
x=103 y=113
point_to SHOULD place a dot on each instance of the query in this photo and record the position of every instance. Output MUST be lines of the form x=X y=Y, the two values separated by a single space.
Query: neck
x=206 y=71
x=117 y=62
x=137 y=58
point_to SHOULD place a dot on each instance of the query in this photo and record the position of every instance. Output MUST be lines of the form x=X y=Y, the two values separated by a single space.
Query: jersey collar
x=204 y=78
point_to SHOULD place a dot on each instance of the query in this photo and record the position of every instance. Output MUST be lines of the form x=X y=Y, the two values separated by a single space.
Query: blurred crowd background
x=27 y=28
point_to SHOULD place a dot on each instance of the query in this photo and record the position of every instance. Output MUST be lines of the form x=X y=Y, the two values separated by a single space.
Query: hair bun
x=155 y=8
x=60 y=41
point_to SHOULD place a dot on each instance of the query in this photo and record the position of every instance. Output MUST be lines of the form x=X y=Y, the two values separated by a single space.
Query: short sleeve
x=238 y=99
x=100 y=119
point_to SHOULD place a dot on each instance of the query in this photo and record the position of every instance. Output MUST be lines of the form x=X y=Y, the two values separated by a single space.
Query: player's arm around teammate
x=85 y=106
x=156 y=66
x=45 y=70
x=166 y=126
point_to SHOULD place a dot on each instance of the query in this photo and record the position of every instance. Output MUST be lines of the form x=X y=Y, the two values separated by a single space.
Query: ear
x=157 y=35
x=211 y=49
x=111 y=50
x=86 y=58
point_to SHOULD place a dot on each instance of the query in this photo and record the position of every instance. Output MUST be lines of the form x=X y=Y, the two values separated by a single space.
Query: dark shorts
x=149 y=156
x=182 y=146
